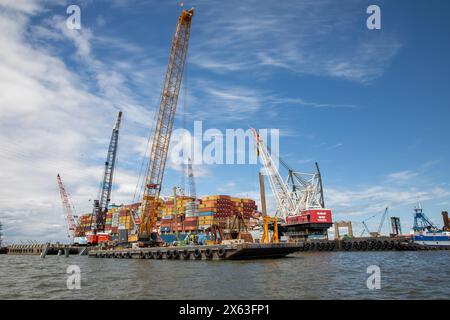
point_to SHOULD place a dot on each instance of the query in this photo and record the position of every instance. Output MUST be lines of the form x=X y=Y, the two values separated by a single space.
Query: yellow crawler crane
x=163 y=129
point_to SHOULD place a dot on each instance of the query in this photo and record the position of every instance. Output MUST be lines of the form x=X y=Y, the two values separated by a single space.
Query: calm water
x=336 y=275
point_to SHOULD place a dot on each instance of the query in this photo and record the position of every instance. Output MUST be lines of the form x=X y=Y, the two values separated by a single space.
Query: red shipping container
x=104 y=238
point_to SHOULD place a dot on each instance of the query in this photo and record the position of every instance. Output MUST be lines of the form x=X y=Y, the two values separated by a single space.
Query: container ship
x=233 y=215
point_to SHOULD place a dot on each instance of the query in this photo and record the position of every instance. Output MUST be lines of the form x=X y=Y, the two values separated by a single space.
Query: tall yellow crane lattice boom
x=164 y=123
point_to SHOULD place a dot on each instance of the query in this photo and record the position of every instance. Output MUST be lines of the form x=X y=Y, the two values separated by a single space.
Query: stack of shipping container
x=244 y=207
x=192 y=215
x=185 y=212
x=112 y=220
x=84 y=225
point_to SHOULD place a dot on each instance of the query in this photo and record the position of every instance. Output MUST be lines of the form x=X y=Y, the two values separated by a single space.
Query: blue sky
x=371 y=106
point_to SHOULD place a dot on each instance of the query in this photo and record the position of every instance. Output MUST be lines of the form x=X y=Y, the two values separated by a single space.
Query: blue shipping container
x=207 y=213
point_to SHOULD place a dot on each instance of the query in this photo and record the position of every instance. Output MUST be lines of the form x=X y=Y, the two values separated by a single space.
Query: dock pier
x=44 y=249
x=365 y=244
x=260 y=251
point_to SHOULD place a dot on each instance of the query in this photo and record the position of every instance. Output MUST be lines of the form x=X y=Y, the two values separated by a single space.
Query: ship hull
x=432 y=240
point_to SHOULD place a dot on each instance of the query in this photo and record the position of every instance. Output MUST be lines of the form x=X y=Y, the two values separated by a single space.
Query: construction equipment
x=396 y=227
x=380 y=226
x=300 y=201
x=266 y=219
x=383 y=218
x=265 y=237
x=67 y=208
x=216 y=234
x=164 y=125
x=366 y=228
x=101 y=205
x=301 y=191
x=286 y=205
x=421 y=221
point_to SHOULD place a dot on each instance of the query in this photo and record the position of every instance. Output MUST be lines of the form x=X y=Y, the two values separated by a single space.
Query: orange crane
x=266 y=218
x=67 y=207
x=164 y=125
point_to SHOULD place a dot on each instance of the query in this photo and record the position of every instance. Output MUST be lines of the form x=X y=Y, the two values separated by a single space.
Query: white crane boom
x=286 y=205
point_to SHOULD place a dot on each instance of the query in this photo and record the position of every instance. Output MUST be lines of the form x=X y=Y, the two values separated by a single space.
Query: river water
x=321 y=275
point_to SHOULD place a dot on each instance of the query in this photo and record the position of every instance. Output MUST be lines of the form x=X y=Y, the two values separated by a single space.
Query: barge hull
x=209 y=252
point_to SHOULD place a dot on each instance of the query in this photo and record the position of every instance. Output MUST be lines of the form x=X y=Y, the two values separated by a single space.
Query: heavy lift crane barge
x=300 y=201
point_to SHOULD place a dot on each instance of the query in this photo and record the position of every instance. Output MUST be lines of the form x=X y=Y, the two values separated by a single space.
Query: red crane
x=67 y=208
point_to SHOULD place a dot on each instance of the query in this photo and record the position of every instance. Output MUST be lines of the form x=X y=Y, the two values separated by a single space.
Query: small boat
x=434 y=239
x=426 y=233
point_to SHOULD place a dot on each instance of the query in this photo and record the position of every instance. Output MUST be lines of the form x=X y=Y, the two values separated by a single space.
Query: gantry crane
x=67 y=208
x=164 y=125
x=101 y=205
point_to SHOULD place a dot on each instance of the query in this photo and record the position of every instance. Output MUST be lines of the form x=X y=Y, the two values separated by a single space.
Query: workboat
x=435 y=239
x=426 y=233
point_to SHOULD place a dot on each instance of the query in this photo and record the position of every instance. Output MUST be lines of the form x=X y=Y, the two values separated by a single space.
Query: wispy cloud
x=405 y=175
x=268 y=35
x=218 y=101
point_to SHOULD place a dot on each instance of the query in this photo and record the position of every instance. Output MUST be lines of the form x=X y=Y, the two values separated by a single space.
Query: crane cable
x=145 y=158
x=184 y=112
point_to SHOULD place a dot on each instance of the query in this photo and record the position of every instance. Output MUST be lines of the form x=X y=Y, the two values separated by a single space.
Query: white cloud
x=54 y=122
x=23 y=6
x=370 y=200
x=402 y=175
x=309 y=37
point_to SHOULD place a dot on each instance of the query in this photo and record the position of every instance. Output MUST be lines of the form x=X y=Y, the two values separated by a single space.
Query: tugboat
x=425 y=233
